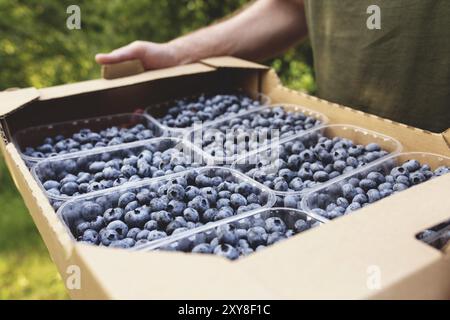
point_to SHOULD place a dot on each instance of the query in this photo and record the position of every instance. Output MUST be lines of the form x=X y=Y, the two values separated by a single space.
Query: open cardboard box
x=371 y=254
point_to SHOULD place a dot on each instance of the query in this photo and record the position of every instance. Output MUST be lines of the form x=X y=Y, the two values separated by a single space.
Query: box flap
x=123 y=69
x=13 y=100
x=446 y=135
x=103 y=84
x=232 y=62
x=120 y=274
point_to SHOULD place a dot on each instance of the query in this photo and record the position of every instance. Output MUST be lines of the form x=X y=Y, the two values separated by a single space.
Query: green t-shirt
x=400 y=71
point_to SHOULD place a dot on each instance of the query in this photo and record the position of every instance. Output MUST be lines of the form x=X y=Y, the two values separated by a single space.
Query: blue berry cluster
x=185 y=112
x=163 y=208
x=249 y=132
x=102 y=170
x=305 y=162
x=86 y=139
x=242 y=237
x=369 y=187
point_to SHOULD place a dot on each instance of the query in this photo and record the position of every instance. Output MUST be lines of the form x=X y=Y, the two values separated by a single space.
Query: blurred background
x=37 y=49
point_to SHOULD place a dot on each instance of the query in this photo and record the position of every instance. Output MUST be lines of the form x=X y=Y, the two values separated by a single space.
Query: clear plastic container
x=267 y=159
x=70 y=211
x=438 y=236
x=209 y=137
x=206 y=234
x=159 y=110
x=55 y=168
x=34 y=136
x=321 y=197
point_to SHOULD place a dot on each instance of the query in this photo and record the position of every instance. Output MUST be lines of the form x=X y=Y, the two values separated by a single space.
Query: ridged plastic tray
x=160 y=109
x=105 y=154
x=185 y=242
x=70 y=215
x=271 y=153
x=34 y=136
x=216 y=130
x=327 y=193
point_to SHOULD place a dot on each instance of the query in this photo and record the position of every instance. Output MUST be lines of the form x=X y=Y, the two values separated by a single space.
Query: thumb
x=132 y=51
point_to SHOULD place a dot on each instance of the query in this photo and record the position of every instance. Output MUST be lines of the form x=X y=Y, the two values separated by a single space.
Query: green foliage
x=26 y=271
x=36 y=49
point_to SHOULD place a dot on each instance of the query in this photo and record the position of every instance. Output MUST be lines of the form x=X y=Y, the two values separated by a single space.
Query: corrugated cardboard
x=347 y=258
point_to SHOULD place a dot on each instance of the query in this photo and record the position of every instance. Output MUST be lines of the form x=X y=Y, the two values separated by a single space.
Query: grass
x=26 y=270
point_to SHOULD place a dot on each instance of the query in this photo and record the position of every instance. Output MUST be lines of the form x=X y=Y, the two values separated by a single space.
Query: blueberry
x=107 y=236
x=133 y=232
x=244 y=188
x=90 y=236
x=256 y=236
x=176 y=207
x=131 y=206
x=440 y=171
x=353 y=207
x=238 y=200
x=210 y=194
x=227 y=251
x=281 y=186
x=156 y=235
x=151 y=225
x=399 y=187
x=373 y=195
x=199 y=203
x=275 y=224
x=360 y=198
x=113 y=214
x=158 y=204
x=397 y=171
x=192 y=192
x=202 y=248
x=300 y=225
x=50 y=184
x=137 y=217
x=118 y=226
x=367 y=184
x=90 y=210
x=126 y=198
x=417 y=177
x=321 y=176
x=69 y=188
x=290 y=201
x=191 y=214
x=175 y=192
x=163 y=218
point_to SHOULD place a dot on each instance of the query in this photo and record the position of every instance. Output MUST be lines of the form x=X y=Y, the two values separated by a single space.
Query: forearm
x=263 y=30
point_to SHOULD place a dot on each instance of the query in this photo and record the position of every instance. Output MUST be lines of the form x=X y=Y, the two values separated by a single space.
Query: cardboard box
x=371 y=254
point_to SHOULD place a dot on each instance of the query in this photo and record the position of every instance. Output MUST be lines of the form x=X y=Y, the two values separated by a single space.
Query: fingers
x=134 y=50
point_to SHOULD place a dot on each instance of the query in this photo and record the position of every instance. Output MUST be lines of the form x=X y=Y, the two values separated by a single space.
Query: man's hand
x=153 y=55
x=261 y=31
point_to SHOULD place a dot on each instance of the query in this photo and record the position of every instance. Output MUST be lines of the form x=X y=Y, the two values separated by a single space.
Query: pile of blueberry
x=242 y=237
x=367 y=188
x=86 y=139
x=185 y=112
x=307 y=161
x=249 y=132
x=103 y=170
x=161 y=208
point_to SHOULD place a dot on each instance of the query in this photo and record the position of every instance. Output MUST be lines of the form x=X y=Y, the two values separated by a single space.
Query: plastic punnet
x=234 y=143
x=329 y=193
x=70 y=211
x=212 y=235
x=34 y=136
